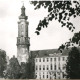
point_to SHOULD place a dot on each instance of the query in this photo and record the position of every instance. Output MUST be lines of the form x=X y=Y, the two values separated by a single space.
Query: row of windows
x=47 y=76
x=50 y=59
x=44 y=67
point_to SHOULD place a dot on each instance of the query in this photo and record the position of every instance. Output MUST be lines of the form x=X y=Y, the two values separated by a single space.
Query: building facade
x=23 y=39
x=50 y=64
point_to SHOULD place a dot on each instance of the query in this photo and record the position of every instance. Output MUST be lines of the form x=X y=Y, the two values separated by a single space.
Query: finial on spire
x=23 y=9
x=22 y=2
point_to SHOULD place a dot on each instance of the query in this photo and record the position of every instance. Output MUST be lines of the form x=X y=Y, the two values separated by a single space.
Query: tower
x=23 y=39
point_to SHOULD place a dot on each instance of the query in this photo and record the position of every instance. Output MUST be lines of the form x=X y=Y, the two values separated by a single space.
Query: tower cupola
x=23 y=15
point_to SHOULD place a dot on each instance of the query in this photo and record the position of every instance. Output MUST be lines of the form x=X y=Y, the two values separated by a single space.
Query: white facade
x=50 y=67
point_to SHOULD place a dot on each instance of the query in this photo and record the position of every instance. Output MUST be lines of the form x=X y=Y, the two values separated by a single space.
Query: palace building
x=49 y=64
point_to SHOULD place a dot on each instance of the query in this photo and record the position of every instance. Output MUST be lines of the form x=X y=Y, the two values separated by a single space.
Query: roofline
x=44 y=49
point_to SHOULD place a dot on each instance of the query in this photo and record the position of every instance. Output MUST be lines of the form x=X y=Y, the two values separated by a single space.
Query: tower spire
x=23 y=15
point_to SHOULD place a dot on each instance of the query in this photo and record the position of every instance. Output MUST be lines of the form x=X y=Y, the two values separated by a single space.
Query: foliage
x=13 y=69
x=31 y=69
x=74 y=40
x=73 y=64
x=27 y=70
x=62 y=11
x=19 y=71
x=23 y=70
x=3 y=62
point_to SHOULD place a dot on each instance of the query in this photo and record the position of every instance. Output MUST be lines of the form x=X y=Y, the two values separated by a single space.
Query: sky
x=49 y=38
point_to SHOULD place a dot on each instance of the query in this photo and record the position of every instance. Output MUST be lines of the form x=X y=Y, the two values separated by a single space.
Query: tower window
x=54 y=59
x=19 y=40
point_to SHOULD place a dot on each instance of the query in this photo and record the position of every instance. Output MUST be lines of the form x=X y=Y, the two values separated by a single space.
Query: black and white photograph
x=40 y=39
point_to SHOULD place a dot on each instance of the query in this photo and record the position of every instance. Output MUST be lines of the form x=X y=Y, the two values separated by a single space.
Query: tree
x=31 y=69
x=73 y=64
x=13 y=69
x=23 y=70
x=27 y=70
x=74 y=40
x=62 y=11
x=3 y=62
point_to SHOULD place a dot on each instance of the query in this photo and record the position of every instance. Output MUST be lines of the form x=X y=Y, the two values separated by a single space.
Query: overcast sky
x=49 y=38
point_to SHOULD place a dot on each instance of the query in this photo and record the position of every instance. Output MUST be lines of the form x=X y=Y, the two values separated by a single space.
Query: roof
x=49 y=53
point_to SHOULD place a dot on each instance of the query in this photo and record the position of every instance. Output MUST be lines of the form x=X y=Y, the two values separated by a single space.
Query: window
x=43 y=75
x=55 y=75
x=59 y=66
x=54 y=59
x=47 y=67
x=51 y=66
x=47 y=76
x=55 y=67
x=51 y=59
x=39 y=60
x=18 y=40
x=43 y=59
x=39 y=67
x=43 y=67
x=47 y=60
